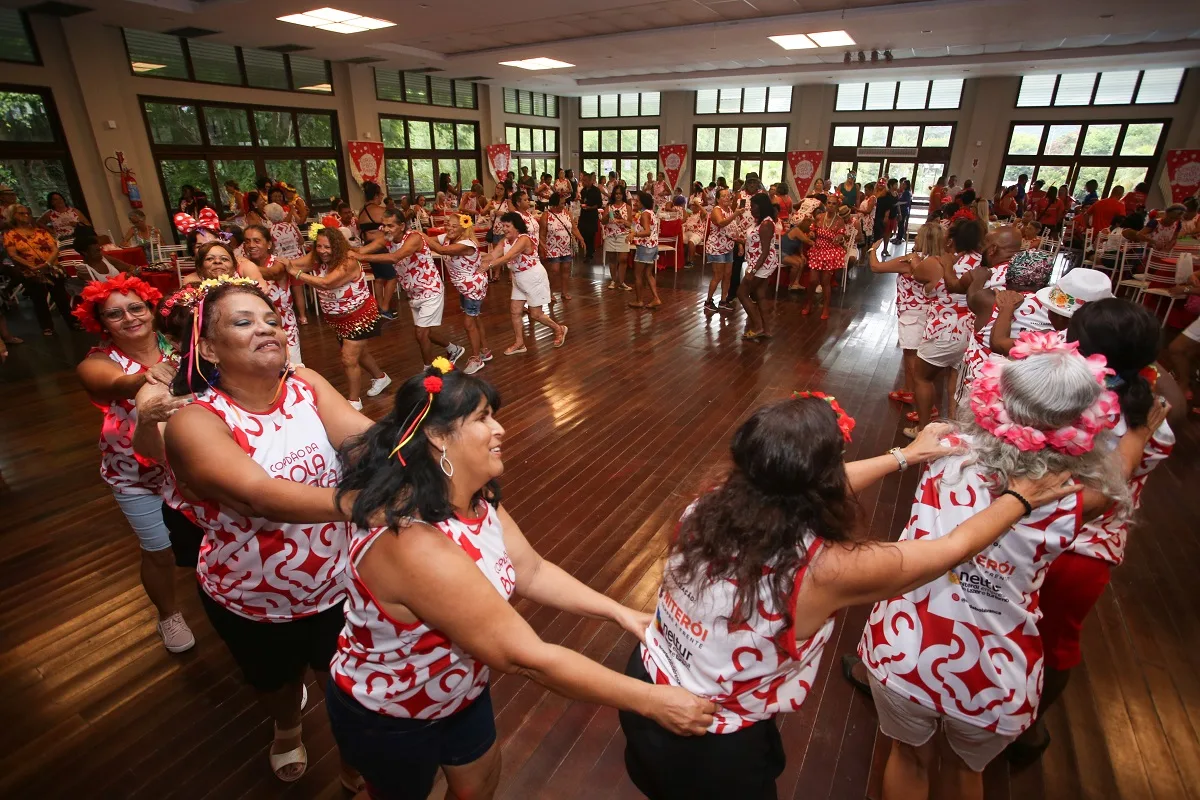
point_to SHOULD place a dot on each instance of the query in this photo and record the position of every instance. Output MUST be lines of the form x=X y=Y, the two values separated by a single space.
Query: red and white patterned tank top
x=1031 y=315
x=499 y=211
x=720 y=240
x=741 y=668
x=558 y=235
x=120 y=467
x=652 y=239
x=966 y=644
x=265 y=570
x=407 y=669
x=419 y=274
x=527 y=260
x=345 y=299
x=910 y=292
x=949 y=316
x=463 y=270
x=533 y=227
x=279 y=292
x=1104 y=537
x=754 y=249
x=619 y=224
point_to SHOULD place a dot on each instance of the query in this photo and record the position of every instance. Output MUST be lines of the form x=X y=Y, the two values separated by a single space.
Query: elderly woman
x=61 y=217
x=34 y=251
x=962 y=651
x=141 y=233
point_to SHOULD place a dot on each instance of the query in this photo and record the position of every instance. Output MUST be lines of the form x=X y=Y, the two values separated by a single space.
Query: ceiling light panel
x=335 y=21
x=331 y=15
x=537 y=63
x=794 y=41
x=832 y=39
x=340 y=27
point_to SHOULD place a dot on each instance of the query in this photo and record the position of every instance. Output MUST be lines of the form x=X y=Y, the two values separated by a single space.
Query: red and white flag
x=672 y=157
x=366 y=162
x=804 y=164
x=499 y=158
x=1183 y=173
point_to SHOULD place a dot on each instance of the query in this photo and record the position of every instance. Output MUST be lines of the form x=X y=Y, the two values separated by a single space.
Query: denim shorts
x=558 y=260
x=145 y=515
x=470 y=306
x=646 y=255
x=399 y=758
x=719 y=258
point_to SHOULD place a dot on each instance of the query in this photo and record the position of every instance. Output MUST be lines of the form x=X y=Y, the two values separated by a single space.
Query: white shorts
x=427 y=313
x=531 y=286
x=617 y=244
x=767 y=271
x=693 y=237
x=911 y=327
x=1193 y=331
x=913 y=724
x=942 y=352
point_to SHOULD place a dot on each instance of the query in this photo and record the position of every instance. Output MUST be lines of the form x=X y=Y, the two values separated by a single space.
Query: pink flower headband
x=1072 y=439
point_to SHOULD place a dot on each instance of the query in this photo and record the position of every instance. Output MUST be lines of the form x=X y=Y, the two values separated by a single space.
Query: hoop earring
x=444 y=463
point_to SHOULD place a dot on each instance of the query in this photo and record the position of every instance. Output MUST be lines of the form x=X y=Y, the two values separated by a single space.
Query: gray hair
x=1046 y=391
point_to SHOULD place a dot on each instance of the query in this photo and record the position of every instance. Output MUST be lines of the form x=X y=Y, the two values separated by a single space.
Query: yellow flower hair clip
x=442 y=364
x=313 y=230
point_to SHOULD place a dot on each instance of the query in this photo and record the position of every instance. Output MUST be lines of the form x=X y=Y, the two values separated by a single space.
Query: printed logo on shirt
x=302 y=465
x=681 y=632
x=970 y=584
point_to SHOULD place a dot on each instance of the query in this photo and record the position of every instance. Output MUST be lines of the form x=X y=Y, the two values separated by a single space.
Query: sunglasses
x=133 y=309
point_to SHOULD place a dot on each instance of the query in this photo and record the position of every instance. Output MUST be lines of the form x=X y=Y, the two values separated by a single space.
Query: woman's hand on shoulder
x=163 y=372
x=155 y=403
x=928 y=445
x=1049 y=488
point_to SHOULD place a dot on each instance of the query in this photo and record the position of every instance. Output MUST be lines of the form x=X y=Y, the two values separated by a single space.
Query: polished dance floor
x=608 y=439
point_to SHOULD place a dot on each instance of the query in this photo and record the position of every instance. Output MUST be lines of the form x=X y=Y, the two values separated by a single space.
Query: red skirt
x=361 y=323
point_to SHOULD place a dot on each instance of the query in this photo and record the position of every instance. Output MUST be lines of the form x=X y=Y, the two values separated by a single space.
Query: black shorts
x=665 y=766
x=399 y=758
x=186 y=537
x=274 y=654
x=384 y=272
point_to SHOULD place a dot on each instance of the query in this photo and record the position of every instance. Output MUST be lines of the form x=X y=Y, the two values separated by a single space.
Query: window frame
x=520 y=156
x=1091 y=103
x=926 y=154
x=741 y=90
x=402 y=77
x=52 y=150
x=409 y=153
x=619 y=115
x=517 y=98
x=599 y=155
x=241 y=62
x=896 y=97
x=739 y=155
x=33 y=45
x=259 y=154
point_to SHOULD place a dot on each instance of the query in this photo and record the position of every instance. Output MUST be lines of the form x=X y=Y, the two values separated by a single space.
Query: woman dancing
x=429 y=614
x=718 y=248
x=616 y=238
x=558 y=235
x=130 y=354
x=463 y=263
x=828 y=253
x=753 y=579
x=531 y=285
x=643 y=237
x=762 y=259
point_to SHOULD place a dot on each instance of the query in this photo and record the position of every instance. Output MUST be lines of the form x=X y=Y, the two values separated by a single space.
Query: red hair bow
x=207 y=219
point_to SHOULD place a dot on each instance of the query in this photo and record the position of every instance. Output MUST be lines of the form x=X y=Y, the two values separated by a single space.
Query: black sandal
x=849 y=662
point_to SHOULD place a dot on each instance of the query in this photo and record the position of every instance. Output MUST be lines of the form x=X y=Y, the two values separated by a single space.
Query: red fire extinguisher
x=129 y=186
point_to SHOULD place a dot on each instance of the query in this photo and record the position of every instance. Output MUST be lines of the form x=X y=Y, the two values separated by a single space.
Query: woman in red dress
x=828 y=253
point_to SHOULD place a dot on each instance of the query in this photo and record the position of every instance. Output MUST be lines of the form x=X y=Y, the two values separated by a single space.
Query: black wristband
x=1024 y=502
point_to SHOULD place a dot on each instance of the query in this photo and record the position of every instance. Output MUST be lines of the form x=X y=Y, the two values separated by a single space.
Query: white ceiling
x=665 y=44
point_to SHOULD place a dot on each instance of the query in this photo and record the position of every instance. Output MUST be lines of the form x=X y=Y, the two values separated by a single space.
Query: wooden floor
x=608 y=438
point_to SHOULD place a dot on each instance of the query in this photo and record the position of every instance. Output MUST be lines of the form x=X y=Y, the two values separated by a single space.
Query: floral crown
x=1075 y=438
x=845 y=422
x=198 y=297
x=433 y=385
x=963 y=213
x=96 y=292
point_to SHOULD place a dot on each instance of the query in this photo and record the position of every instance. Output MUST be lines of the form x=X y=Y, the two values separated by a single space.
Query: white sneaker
x=175 y=634
x=473 y=366
x=378 y=385
x=455 y=351
x=356 y=405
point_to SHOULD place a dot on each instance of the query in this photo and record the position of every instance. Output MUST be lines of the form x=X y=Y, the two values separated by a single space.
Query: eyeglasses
x=133 y=309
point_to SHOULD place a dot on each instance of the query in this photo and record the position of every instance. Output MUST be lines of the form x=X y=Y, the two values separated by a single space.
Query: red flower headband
x=963 y=213
x=207 y=219
x=845 y=422
x=96 y=292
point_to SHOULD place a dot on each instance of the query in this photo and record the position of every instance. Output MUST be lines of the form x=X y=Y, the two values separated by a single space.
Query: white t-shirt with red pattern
x=257 y=568
x=720 y=240
x=407 y=669
x=462 y=270
x=949 y=316
x=527 y=260
x=344 y=299
x=286 y=240
x=966 y=644
x=279 y=292
x=533 y=227
x=910 y=292
x=646 y=241
x=741 y=668
x=1031 y=315
x=558 y=235
x=754 y=248
x=618 y=225
x=120 y=467
x=419 y=275
x=1104 y=537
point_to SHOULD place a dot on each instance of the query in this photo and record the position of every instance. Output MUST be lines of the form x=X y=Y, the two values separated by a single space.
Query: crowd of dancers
x=378 y=553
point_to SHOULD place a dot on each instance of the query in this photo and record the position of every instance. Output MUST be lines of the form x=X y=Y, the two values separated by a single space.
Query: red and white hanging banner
x=499 y=158
x=366 y=162
x=672 y=156
x=1183 y=173
x=804 y=164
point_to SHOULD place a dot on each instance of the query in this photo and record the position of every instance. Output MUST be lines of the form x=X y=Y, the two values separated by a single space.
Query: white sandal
x=297 y=755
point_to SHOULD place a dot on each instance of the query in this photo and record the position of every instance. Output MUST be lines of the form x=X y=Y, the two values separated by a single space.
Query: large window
x=914 y=95
x=16 y=38
x=158 y=55
x=1117 y=88
x=206 y=144
x=1072 y=153
x=530 y=104
x=732 y=151
x=34 y=159
x=625 y=104
x=631 y=152
x=429 y=90
x=919 y=151
x=418 y=150
x=755 y=100
x=536 y=148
